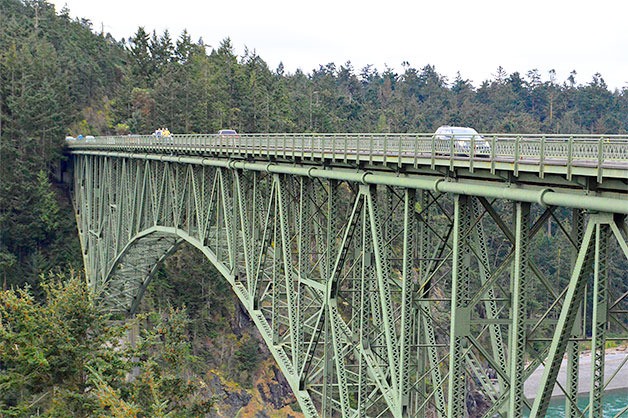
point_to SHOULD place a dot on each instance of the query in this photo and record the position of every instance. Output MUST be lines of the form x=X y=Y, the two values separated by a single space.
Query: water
x=614 y=402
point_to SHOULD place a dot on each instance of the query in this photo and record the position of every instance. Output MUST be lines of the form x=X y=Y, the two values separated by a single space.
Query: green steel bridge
x=390 y=275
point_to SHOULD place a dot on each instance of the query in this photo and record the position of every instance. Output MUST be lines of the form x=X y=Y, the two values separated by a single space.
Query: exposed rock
x=276 y=392
x=240 y=322
x=228 y=398
x=477 y=403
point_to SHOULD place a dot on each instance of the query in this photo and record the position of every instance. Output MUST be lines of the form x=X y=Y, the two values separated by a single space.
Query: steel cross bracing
x=379 y=295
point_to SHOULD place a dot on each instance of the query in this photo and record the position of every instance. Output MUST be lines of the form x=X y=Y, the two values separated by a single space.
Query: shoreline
x=614 y=359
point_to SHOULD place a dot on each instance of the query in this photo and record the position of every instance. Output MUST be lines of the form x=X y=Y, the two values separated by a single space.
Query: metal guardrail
x=597 y=152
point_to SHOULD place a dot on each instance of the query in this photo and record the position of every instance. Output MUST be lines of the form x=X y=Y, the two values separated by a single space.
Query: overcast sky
x=471 y=36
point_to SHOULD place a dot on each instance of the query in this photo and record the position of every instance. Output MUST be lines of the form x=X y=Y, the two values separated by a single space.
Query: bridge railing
x=572 y=150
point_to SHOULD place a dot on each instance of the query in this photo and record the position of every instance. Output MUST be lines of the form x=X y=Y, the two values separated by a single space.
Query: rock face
x=228 y=400
x=270 y=397
x=240 y=321
x=476 y=404
x=276 y=392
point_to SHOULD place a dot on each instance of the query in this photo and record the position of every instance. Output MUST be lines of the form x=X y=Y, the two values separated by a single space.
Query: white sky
x=470 y=36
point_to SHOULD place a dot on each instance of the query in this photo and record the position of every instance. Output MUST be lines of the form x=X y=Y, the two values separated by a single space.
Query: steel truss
x=375 y=300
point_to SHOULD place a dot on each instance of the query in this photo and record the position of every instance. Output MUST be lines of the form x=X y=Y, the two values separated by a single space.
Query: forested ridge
x=59 y=77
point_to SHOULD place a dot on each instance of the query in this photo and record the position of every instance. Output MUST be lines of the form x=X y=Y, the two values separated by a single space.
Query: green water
x=614 y=402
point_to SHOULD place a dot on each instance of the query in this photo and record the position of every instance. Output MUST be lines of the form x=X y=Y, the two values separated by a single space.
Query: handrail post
x=285 y=144
x=542 y=158
x=400 y=138
x=493 y=146
x=416 y=150
x=600 y=159
x=471 y=153
x=517 y=155
x=433 y=156
x=569 y=157
x=452 y=152
x=385 y=149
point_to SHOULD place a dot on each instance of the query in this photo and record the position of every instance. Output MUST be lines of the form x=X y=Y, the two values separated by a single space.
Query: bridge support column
x=599 y=319
x=573 y=350
x=367 y=273
x=519 y=309
x=407 y=277
x=460 y=312
x=430 y=362
x=420 y=212
x=328 y=266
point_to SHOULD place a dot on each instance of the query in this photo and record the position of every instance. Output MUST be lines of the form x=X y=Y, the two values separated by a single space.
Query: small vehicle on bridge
x=459 y=139
x=227 y=138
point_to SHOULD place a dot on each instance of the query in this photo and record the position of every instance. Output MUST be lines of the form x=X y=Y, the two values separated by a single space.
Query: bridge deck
x=599 y=157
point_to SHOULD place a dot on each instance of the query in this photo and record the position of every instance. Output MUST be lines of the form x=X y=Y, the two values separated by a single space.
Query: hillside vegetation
x=199 y=353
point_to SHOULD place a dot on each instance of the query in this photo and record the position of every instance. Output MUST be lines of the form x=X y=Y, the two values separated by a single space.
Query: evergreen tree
x=142 y=63
x=161 y=50
x=63 y=357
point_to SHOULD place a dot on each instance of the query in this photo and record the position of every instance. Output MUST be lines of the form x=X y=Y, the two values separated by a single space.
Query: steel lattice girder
x=375 y=300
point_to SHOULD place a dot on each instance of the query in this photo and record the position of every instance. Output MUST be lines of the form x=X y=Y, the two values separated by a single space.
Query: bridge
x=390 y=275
